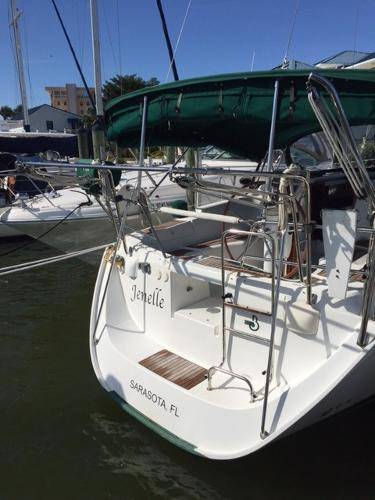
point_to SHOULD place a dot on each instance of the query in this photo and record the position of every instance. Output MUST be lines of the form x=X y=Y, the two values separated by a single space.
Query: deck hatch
x=178 y=370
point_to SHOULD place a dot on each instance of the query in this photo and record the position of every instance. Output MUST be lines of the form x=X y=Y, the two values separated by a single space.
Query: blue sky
x=220 y=36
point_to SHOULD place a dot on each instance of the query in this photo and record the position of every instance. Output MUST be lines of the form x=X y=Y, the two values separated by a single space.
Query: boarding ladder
x=227 y=298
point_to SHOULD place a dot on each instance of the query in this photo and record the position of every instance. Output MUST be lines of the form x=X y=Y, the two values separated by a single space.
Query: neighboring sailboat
x=251 y=317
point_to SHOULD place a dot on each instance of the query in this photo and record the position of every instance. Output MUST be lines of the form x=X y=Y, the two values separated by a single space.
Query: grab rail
x=339 y=135
x=338 y=130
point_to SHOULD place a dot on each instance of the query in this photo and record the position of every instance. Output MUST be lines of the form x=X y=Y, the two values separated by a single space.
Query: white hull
x=64 y=225
x=76 y=234
x=315 y=375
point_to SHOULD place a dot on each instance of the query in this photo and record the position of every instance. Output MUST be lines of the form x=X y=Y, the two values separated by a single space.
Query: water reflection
x=128 y=450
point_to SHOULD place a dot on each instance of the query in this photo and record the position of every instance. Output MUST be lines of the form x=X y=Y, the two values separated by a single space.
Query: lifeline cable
x=49 y=260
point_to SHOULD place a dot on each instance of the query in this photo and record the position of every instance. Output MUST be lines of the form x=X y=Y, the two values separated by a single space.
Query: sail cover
x=35 y=142
x=234 y=111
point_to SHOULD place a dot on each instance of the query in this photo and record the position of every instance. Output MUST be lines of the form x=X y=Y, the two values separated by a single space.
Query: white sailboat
x=251 y=317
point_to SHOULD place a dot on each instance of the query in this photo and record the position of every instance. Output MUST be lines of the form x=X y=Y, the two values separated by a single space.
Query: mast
x=19 y=63
x=98 y=128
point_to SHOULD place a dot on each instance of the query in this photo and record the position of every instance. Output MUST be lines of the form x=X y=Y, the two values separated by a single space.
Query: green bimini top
x=233 y=112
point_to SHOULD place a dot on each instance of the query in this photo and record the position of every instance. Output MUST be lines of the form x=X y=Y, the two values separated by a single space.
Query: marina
x=189 y=277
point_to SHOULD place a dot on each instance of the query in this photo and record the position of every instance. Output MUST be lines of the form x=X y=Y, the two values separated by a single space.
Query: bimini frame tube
x=142 y=144
x=336 y=131
x=272 y=131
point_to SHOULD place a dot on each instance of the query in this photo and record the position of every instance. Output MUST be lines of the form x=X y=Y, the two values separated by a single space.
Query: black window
x=74 y=123
x=49 y=124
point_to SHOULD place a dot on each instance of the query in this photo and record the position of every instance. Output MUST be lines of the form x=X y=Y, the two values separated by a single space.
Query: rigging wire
x=291 y=31
x=82 y=28
x=356 y=32
x=110 y=39
x=25 y=38
x=167 y=39
x=75 y=57
x=119 y=43
x=178 y=41
x=77 y=31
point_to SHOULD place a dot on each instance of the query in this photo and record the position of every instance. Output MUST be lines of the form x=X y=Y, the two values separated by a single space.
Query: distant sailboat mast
x=96 y=57
x=19 y=63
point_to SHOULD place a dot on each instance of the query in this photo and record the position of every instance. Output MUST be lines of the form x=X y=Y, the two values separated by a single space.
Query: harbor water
x=63 y=437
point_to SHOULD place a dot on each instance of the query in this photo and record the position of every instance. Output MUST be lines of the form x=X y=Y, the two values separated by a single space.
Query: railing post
x=367 y=294
x=142 y=143
x=263 y=432
x=272 y=132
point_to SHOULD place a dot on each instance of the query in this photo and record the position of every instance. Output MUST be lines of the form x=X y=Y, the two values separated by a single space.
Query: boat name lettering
x=154 y=398
x=153 y=298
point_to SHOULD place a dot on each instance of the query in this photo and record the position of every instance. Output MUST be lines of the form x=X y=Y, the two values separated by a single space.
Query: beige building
x=71 y=98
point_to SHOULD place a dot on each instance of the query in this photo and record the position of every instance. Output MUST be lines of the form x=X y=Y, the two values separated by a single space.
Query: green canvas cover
x=233 y=112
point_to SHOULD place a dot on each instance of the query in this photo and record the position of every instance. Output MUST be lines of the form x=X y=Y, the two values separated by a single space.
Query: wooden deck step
x=178 y=370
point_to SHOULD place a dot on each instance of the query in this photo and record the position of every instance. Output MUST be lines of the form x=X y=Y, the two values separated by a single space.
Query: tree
x=88 y=118
x=6 y=112
x=17 y=109
x=122 y=84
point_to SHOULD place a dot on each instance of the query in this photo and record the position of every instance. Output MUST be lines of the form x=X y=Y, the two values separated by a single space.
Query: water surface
x=63 y=437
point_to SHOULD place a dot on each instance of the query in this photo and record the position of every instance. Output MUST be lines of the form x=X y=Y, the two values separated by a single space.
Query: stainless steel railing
x=338 y=133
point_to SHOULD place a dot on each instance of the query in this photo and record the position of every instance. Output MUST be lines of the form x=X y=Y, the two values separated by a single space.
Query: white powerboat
x=70 y=219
